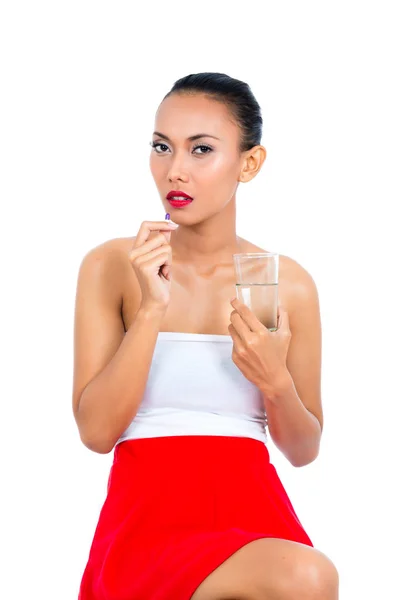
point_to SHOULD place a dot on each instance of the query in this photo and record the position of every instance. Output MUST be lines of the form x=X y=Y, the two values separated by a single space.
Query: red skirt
x=176 y=508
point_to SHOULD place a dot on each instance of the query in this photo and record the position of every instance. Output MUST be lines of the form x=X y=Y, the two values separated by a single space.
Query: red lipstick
x=179 y=203
x=178 y=199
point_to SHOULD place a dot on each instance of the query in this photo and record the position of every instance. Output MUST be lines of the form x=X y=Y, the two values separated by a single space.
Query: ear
x=252 y=163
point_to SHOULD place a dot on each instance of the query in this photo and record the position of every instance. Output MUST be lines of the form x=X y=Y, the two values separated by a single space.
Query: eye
x=203 y=146
x=156 y=144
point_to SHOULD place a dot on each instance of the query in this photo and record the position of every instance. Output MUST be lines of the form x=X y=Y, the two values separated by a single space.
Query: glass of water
x=257 y=276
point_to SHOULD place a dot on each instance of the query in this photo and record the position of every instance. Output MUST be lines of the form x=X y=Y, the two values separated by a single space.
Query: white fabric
x=194 y=388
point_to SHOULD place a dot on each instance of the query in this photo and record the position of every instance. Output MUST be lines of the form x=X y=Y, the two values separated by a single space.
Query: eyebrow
x=191 y=138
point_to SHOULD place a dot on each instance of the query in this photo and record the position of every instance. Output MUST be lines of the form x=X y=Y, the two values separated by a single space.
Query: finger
x=145 y=257
x=150 y=244
x=148 y=226
x=248 y=316
x=237 y=342
x=241 y=328
x=283 y=318
x=167 y=235
x=166 y=271
x=156 y=259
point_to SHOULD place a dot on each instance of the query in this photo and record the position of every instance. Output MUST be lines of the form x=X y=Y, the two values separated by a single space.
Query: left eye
x=203 y=147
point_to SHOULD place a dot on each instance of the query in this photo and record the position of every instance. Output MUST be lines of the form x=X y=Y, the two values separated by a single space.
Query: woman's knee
x=272 y=568
x=315 y=577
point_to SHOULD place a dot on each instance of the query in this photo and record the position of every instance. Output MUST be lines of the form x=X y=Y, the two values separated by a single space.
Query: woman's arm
x=110 y=367
x=294 y=429
x=294 y=412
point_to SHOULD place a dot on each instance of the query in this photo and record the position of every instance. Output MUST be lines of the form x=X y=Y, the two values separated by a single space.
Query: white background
x=81 y=82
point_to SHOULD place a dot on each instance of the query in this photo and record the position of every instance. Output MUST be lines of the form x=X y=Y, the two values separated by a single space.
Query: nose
x=177 y=170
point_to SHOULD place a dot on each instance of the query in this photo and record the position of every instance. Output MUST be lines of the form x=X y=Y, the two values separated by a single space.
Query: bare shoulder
x=300 y=278
x=299 y=284
x=115 y=248
x=109 y=259
x=108 y=267
x=296 y=284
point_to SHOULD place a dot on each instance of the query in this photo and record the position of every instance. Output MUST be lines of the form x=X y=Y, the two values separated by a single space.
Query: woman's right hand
x=151 y=260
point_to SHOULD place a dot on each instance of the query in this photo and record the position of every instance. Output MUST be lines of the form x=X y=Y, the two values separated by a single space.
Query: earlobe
x=249 y=170
x=244 y=178
x=244 y=175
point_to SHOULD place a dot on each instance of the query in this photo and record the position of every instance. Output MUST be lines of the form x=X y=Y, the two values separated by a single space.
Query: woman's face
x=208 y=168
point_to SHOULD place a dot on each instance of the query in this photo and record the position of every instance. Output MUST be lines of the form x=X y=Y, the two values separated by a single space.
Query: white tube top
x=195 y=388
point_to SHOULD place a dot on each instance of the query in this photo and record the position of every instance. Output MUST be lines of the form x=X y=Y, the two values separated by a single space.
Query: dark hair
x=236 y=94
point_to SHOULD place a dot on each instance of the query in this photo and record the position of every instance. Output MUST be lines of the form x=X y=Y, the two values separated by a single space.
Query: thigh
x=272 y=569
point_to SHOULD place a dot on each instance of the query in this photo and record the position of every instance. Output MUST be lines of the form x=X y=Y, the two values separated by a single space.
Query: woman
x=181 y=380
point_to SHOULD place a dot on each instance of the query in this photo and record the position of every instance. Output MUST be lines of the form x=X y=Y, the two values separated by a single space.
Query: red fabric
x=176 y=508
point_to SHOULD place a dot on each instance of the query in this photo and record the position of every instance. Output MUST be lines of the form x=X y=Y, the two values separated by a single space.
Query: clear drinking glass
x=257 y=275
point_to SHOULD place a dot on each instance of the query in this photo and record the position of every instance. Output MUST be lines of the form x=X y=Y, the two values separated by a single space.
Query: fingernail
x=169 y=222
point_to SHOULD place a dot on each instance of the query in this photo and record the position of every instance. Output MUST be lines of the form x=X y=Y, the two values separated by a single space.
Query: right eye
x=156 y=144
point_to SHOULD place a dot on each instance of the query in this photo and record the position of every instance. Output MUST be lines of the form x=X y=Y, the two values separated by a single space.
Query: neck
x=211 y=242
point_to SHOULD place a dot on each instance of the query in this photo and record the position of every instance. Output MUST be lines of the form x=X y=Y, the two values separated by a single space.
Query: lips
x=179 y=203
x=179 y=194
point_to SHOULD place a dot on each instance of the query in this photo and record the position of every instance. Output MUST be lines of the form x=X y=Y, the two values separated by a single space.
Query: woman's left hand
x=260 y=354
